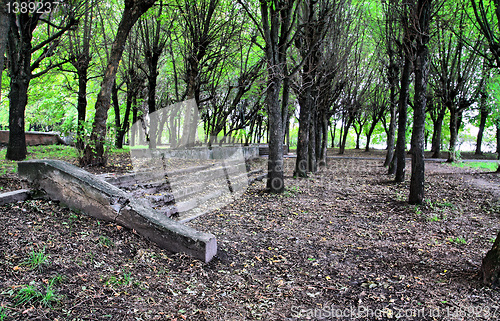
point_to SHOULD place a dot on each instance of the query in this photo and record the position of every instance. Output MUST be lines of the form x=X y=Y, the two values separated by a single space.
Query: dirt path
x=480 y=179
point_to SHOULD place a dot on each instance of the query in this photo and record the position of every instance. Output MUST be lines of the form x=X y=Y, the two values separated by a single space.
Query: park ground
x=341 y=244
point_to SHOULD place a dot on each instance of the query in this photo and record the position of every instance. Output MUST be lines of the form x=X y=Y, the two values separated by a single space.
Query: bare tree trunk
x=498 y=143
x=19 y=52
x=305 y=101
x=358 y=135
x=452 y=155
x=332 y=133
x=312 y=143
x=80 y=60
x=420 y=102
x=436 y=135
x=274 y=58
x=18 y=95
x=324 y=142
x=482 y=123
x=400 y=161
x=94 y=151
x=126 y=120
x=392 y=131
x=116 y=108
x=81 y=107
x=490 y=269
x=4 y=31
x=275 y=179
x=344 y=136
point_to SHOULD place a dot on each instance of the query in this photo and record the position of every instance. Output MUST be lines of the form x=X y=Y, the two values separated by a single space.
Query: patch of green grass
x=491 y=166
x=434 y=218
x=457 y=240
x=30 y=294
x=124 y=279
x=38 y=152
x=105 y=241
x=27 y=294
x=37 y=259
x=493 y=239
x=400 y=196
x=52 y=151
x=62 y=152
x=437 y=205
x=291 y=191
x=3 y=314
x=119 y=150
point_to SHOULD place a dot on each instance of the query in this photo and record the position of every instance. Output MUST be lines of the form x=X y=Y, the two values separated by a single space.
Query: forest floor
x=342 y=244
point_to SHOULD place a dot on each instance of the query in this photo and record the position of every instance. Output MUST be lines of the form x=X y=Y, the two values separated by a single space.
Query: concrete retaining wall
x=217 y=152
x=34 y=138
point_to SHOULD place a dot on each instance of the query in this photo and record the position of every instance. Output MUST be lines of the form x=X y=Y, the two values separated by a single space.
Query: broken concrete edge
x=14 y=196
x=86 y=193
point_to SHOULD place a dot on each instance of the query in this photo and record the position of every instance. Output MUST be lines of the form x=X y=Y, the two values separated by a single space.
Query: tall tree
x=488 y=20
x=454 y=69
x=80 y=58
x=154 y=31
x=484 y=109
x=94 y=153
x=26 y=56
x=4 y=31
x=398 y=165
x=275 y=29
x=392 y=35
x=422 y=22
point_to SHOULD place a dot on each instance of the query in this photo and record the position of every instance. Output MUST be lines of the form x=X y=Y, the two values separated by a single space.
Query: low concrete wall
x=264 y=149
x=217 y=152
x=34 y=138
x=14 y=196
x=87 y=193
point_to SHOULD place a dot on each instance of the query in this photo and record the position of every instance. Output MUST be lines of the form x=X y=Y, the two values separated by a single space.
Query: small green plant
x=37 y=259
x=291 y=191
x=457 y=240
x=436 y=205
x=417 y=210
x=3 y=314
x=58 y=279
x=27 y=294
x=30 y=294
x=493 y=239
x=124 y=279
x=105 y=241
x=434 y=218
x=50 y=296
x=400 y=196
x=73 y=218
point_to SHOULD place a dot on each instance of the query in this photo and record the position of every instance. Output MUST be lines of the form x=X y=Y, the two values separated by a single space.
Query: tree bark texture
x=484 y=113
x=19 y=53
x=490 y=268
x=4 y=31
x=420 y=102
x=400 y=154
x=271 y=26
x=454 y=124
x=437 y=133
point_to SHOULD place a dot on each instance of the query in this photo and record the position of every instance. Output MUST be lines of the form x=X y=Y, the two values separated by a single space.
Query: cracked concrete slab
x=85 y=192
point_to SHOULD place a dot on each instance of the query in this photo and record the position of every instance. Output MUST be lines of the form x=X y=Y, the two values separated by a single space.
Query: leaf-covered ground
x=342 y=244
